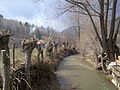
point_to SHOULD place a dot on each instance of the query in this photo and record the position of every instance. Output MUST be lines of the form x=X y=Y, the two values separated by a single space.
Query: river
x=75 y=73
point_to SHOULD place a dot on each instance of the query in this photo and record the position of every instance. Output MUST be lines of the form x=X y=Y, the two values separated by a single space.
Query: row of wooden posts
x=27 y=46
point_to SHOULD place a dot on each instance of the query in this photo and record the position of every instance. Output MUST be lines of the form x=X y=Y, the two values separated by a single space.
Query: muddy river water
x=76 y=73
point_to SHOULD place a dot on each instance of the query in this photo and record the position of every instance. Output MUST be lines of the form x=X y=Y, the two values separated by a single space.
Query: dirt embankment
x=43 y=76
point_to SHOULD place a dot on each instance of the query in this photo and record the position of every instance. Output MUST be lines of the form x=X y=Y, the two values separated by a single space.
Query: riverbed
x=75 y=74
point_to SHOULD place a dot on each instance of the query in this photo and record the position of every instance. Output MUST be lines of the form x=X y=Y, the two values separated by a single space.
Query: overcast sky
x=32 y=11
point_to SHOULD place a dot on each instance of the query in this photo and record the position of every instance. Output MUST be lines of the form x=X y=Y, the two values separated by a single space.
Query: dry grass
x=43 y=75
x=20 y=57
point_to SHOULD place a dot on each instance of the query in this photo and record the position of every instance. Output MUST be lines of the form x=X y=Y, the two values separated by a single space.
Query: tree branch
x=83 y=7
x=112 y=28
x=116 y=33
x=92 y=8
x=65 y=10
x=77 y=4
x=95 y=28
x=106 y=16
x=83 y=13
x=103 y=34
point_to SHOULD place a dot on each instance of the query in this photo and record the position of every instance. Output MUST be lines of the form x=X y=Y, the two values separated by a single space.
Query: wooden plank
x=116 y=70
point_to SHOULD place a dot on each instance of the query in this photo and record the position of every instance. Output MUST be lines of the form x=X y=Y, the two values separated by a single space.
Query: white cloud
x=29 y=11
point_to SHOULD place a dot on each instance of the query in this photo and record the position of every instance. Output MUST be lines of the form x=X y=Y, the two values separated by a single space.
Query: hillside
x=71 y=31
x=23 y=30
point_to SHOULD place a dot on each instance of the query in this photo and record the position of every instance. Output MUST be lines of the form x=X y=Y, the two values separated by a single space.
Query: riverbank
x=43 y=76
x=111 y=74
x=75 y=73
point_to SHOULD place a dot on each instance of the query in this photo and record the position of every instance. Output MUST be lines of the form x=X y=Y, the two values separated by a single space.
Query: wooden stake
x=6 y=70
x=13 y=55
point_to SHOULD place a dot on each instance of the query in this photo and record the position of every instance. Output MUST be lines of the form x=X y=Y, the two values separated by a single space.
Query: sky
x=38 y=12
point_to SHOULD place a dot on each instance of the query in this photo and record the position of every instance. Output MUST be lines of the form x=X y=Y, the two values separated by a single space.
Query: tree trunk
x=114 y=52
x=111 y=54
x=6 y=67
x=111 y=44
x=38 y=56
x=104 y=64
x=42 y=56
x=13 y=55
x=27 y=65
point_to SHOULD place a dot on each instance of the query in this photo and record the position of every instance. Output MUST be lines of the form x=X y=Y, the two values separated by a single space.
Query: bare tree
x=100 y=9
x=40 y=45
x=28 y=46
